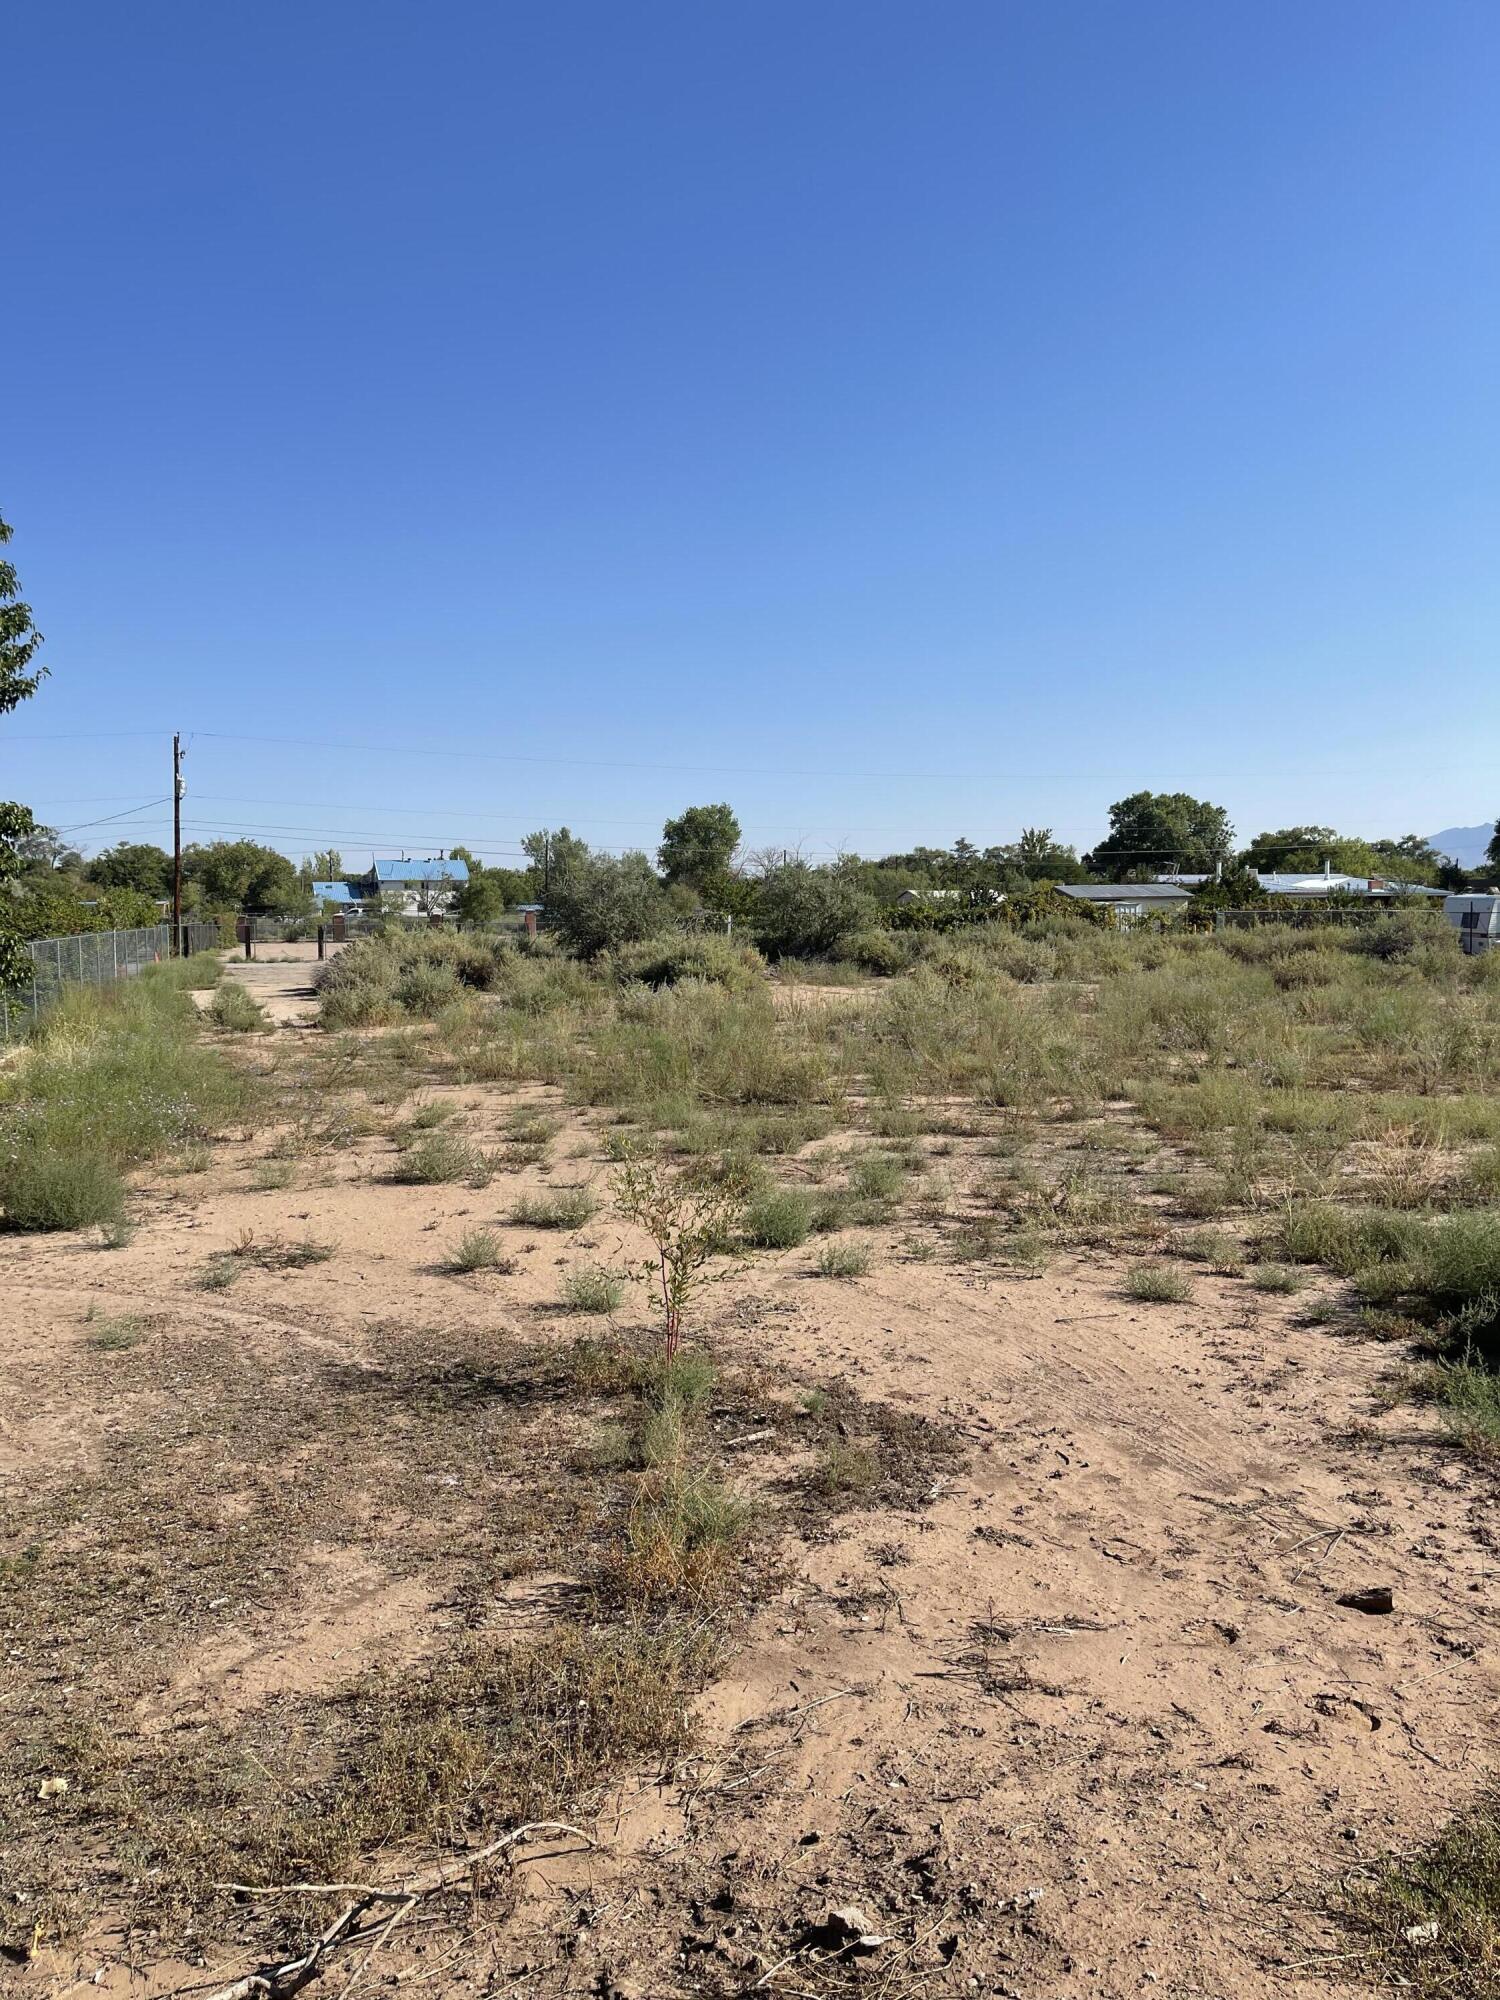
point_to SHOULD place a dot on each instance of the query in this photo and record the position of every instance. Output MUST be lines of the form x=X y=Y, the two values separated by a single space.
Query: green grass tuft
x=1157 y=1284
x=778 y=1219
x=592 y=1288
x=556 y=1208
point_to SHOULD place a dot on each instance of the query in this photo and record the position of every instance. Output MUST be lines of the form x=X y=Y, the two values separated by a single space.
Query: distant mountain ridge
x=1464 y=844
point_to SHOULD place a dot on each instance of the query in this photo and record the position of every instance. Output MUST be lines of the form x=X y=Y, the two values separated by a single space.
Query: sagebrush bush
x=666 y=961
x=878 y=951
x=477 y=1250
x=844 y=1260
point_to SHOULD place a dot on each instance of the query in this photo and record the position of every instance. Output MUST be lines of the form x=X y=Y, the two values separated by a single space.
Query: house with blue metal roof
x=403 y=887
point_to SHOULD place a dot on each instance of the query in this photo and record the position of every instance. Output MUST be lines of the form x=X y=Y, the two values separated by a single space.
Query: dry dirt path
x=281 y=979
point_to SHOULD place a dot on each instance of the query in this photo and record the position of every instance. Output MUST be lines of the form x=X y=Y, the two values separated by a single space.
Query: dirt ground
x=280 y=977
x=1093 y=1720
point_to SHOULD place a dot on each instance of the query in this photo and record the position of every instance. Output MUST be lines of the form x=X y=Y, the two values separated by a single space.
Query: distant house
x=1319 y=883
x=406 y=887
x=1128 y=902
x=971 y=897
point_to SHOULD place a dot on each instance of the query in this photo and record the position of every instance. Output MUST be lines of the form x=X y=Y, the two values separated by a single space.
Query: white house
x=411 y=888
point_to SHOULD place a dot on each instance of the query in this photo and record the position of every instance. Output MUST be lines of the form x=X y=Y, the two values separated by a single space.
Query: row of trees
x=598 y=899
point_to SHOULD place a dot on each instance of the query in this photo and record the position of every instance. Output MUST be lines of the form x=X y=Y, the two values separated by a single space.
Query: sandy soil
x=1094 y=1719
x=280 y=977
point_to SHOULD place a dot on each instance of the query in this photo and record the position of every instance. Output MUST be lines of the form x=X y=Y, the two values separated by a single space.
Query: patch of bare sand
x=1098 y=1719
x=1106 y=1677
x=352 y=1616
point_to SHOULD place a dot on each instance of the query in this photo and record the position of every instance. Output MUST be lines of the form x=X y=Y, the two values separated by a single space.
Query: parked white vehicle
x=1477 y=919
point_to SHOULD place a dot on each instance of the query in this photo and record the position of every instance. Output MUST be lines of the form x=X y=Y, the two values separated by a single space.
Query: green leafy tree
x=20 y=641
x=1236 y=888
x=328 y=865
x=698 y=847
x=489 y=892
x=1153 y=833
x=133 y=864
x=1492 y=852
x=554 y=854
x=1035 y=857
x=243 y=875
x=606 y=901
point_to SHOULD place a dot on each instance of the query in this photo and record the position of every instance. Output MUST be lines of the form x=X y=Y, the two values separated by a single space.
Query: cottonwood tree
x=554 y=853
x=243 y=875
x=133 y=864
x=1153 y=832
x=698 y=847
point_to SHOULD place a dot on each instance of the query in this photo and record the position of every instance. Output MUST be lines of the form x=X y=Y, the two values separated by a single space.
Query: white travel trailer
x=1478 y=921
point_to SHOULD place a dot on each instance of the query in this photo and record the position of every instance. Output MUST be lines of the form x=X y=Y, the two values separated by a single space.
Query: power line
x=80 y=825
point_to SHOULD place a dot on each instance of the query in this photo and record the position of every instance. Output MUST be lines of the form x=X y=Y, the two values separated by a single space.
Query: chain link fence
x=93 y=959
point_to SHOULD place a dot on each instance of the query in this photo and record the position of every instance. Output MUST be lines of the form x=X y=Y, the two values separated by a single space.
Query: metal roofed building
x=1127 y=902
x=411 y=888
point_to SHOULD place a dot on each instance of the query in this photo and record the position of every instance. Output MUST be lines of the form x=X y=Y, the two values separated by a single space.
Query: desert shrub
x=1284 y=1278
x=476 y=1250
x=696 y=1043
x=1430 y=1921
x=606 y=902
x=1469 y=1396
x=61 y=1190
x=425 y=988
x=197 y=973
x=877 y=1177
x=664 y=961
x=114 y=1333
x=802 y=912
x=237 y=1010
x=592 y=1288
x=844 y=1260
x=556 y=1208
x=1396 y=936
x=438 y=1157
x=845 y=1467
x=1157 y=1284
x=926 y=1037
x=779 y=1219
x=878 y=951
x=681 y=1537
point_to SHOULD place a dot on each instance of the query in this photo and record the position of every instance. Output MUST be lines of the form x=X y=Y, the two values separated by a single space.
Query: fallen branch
x=281 y=1981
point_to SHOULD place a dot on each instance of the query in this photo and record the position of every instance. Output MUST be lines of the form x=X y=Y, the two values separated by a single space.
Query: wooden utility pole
x=176 y=846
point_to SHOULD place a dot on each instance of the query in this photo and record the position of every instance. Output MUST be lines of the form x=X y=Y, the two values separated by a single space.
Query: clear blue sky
x=903 y=421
